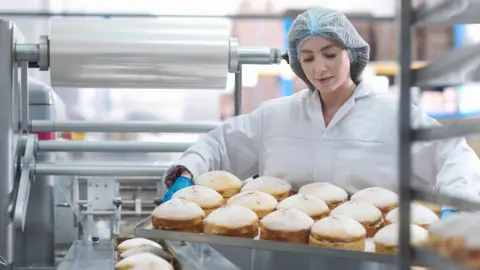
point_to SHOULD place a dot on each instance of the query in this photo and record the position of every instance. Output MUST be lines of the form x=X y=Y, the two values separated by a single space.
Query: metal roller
x=131 y=54
x=99 y=170
x=112 y=146
x=127 y=53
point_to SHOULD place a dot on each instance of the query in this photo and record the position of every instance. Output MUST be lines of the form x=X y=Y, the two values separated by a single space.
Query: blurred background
x=253 y=22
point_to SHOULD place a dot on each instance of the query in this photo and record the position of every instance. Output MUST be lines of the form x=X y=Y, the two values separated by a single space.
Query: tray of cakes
x=265 y=213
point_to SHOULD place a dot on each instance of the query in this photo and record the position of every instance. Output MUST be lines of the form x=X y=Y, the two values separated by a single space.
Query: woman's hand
x=178 y=179
x=447 y=212
x=177 y=172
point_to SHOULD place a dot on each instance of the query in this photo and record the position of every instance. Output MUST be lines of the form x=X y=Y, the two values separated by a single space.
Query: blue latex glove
x=180 y=182
x=447 y=212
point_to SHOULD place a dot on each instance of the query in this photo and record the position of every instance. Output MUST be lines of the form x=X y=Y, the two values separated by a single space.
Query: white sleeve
x=232 y=147
x=451 y=164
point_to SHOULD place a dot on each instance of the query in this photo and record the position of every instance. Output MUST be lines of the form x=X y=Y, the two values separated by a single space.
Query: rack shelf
x=429 y=196
x=145 y=230
x=452 y=68
x=427 y=257
x=463 y=128
x=447 y=12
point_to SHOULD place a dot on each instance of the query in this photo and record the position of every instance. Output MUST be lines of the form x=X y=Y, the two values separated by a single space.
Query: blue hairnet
x=333 y=25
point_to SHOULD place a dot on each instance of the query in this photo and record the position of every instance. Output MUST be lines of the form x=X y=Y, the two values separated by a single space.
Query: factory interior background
x=269 y=28
x=374 y=19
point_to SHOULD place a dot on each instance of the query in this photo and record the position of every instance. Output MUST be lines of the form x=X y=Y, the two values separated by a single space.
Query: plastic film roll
x=127 y=53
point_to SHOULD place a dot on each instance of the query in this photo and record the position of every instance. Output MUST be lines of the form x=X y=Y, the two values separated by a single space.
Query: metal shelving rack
x=464 y=61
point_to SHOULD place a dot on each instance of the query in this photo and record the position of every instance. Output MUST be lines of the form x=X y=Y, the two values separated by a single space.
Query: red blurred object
x=45 y=136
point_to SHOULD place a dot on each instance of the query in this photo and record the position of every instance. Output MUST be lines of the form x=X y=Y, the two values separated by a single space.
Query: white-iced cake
x=223 y=182
x=278 y=188
x=259 y=202
x=205 y=197
x=331 y=194
x=232 y=220
x=309 y=204
x=287 y=225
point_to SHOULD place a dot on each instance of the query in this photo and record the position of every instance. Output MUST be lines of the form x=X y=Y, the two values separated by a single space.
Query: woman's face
x=326 y=63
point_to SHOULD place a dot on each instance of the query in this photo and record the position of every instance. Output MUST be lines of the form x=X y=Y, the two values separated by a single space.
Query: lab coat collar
x=363 y=90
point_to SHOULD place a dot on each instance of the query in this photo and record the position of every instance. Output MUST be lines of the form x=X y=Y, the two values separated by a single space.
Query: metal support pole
x=405 y=254
x=111 y=146
x=103 y=126
x=99 y=170
x=7 y=143
x=238 y=92
x=24 y=97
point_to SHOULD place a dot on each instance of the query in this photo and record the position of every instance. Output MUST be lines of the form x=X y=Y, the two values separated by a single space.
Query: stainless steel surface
x=460 y=129
x=85 y=255
x=238 y=92
x=233 y=61
x=44 y=53
x=426 y=257
x=26 y=52
x=258 y=56
x=452 y=68
x=129 y=54
x=100 y=170
x=405 y=11
x=194 y=256
x=26 y=178
x=439 y=199
x=24 y=97
x=36 y=244
x=111 y=213
x=7 y=143
x=35 y=268
x=112 y=146
x=143 y=230
x=101 y=191
x=146 y=203
x=446 y=12
x=136 y=126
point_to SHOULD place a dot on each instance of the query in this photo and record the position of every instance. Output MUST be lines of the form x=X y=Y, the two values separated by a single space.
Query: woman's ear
x=349 y=56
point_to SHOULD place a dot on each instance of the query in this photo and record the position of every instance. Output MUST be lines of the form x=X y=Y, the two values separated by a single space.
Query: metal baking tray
x=145 y=229
x=89 y=255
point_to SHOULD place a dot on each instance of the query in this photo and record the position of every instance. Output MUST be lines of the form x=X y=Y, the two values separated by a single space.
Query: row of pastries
x=320 y=214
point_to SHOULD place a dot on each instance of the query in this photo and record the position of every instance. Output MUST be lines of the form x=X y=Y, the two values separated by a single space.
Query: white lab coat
x=287 y=138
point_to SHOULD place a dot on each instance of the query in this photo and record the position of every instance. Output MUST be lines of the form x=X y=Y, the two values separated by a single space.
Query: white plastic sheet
x=135 y=53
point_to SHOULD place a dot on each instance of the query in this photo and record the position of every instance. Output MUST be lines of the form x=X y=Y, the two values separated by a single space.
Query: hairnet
x=333 y=25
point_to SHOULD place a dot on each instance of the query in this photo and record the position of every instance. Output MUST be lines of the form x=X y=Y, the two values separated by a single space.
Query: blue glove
x=180 y=182
x=447 y=212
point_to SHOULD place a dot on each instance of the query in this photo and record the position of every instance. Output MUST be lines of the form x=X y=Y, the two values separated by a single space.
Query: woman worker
x=340 y=129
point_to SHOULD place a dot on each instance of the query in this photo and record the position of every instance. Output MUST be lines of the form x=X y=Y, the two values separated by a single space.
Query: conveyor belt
x=85 y=255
